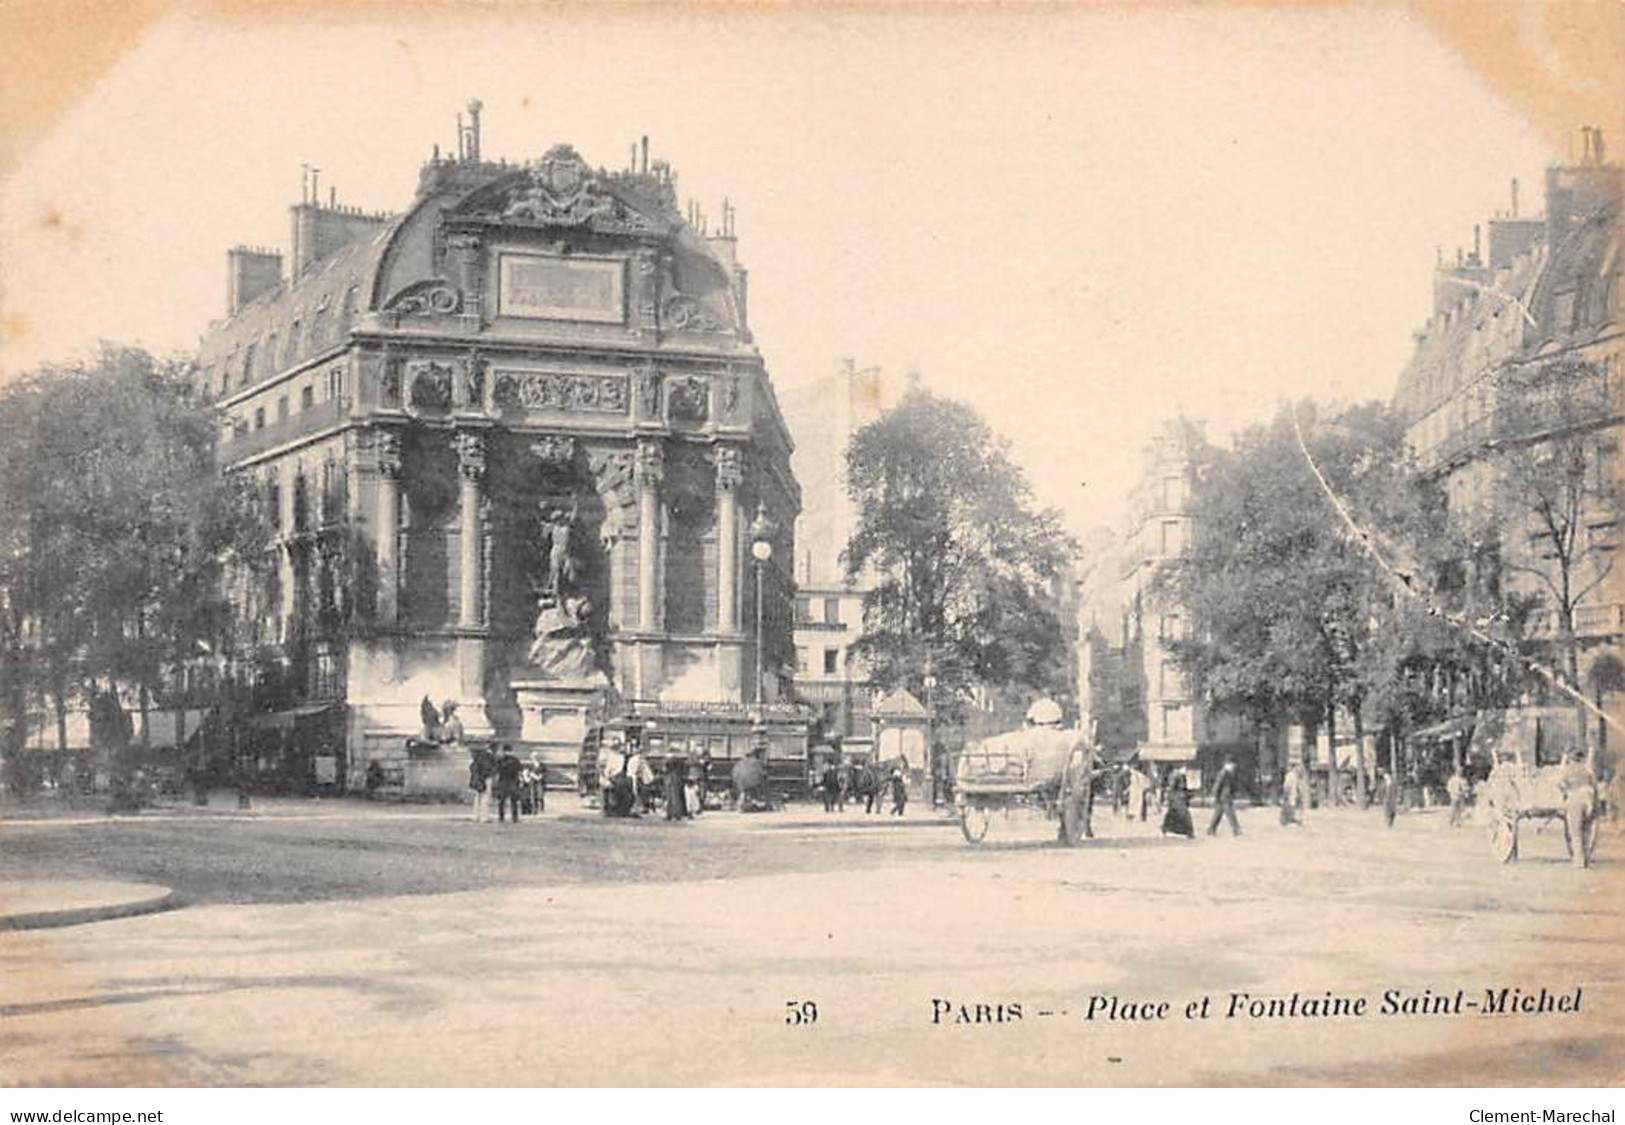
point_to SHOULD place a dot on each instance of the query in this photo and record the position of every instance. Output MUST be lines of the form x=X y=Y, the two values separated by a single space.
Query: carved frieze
x=686 y=314
x=689 y=399
x=570 y=394
x=428 y=384
x=434 y=297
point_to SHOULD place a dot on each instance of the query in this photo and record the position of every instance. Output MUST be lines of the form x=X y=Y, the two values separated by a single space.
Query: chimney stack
x=474 y=107
x=250 y=272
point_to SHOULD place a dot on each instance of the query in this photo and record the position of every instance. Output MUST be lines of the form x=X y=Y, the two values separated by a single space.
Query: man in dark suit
x=1224 y=799
x=508 y=769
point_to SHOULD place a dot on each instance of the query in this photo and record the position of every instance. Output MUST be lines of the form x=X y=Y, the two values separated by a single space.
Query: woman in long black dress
x=1178 y=817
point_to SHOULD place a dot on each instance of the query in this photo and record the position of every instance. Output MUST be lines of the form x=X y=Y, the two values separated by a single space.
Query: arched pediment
x=560 y=191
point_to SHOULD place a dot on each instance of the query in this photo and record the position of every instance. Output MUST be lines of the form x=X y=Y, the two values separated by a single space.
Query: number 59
x=798 y=1013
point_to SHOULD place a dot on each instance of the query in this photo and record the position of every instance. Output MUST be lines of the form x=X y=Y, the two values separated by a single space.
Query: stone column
x=471 y=466
x=729 y=475
x=387 y=520
x=649 y=470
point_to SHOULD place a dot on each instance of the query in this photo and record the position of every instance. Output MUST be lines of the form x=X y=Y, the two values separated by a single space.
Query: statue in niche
x=562 y=643
x=563 y=647
x=559 y=527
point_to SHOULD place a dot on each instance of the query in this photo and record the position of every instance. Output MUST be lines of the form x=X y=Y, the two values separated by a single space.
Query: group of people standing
x=517 y=785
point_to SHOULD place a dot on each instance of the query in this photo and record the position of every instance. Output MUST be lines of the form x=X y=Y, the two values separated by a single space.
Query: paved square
x=354 y=945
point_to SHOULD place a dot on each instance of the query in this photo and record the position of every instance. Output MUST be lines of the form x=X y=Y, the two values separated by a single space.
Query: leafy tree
x=961 y=557
x=1284 y=599
x=118 y=526
x=1556 y=490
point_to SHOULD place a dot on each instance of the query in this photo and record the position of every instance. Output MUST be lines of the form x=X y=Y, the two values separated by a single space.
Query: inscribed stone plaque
x=547 y=287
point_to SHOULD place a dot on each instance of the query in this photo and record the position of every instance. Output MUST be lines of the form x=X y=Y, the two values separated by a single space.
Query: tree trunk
x=1582 y=714
x=1334 y=787
x=1362 y=790
x=59 y=697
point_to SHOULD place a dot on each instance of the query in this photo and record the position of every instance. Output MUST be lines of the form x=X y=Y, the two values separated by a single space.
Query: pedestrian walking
x=899 y=791
x=676 y=797
x=1176 y=820
x=1137 y=787
x=693 y=788
x=1388 y=797
x=480 y=768
x=1294 y=794
x=1456 y=787
x=508 y=770
x=1224 y=800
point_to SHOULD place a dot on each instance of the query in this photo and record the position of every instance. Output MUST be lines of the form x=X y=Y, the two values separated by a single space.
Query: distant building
x=822 y=415
x=512 y=439
x=1130 y=687
x=829 y=674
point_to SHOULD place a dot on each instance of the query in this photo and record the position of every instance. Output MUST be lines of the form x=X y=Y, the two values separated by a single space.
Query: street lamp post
x=761 y=549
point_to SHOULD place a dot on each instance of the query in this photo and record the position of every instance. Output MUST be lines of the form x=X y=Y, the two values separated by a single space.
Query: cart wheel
x=974 y=821
x=1072 y=821
x=1504 y=837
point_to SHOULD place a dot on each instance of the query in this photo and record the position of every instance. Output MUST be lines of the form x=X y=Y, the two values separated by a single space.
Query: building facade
x=1544 y=294
x=830 y=676
x=1131 y=690
x=514 y=441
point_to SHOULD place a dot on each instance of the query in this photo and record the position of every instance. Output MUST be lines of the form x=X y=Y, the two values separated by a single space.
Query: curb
x=50 y=919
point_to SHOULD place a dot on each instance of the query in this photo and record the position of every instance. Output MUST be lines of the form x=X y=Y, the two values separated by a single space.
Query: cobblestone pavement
x=412 y=947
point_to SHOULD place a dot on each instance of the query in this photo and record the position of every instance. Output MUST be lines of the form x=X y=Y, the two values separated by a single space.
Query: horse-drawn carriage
x=1536 y=775
x=1039 y=768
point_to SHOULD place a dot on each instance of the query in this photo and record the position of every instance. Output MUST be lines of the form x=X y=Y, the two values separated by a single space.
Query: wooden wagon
x=1041 y=769
x=1530 y=780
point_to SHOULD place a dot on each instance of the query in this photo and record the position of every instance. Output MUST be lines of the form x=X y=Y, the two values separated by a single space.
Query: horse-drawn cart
x=1530 y=780
x=1038 y=768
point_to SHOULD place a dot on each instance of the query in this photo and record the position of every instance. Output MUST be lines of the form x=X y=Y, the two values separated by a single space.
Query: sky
x=1079 y=222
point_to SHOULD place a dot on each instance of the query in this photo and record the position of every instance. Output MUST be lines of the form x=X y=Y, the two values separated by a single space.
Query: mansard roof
x=1571 y=291
x=557 y=194
x=300 y=320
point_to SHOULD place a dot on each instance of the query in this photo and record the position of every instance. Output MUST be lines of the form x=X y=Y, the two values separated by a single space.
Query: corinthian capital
x=387 y=447
x=471 y=454
x=730 y=468
x=651 y=463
